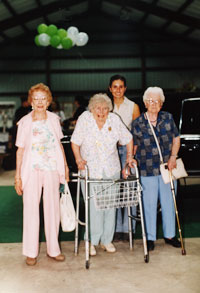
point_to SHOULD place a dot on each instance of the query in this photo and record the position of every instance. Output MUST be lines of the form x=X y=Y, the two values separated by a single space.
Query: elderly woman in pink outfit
x=40 y=164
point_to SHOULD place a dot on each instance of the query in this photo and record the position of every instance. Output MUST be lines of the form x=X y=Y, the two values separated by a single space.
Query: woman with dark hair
x=128 y=111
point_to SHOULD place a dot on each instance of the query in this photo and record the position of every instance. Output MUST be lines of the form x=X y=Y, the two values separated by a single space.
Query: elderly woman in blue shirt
x=94 y=142
x=147 y=156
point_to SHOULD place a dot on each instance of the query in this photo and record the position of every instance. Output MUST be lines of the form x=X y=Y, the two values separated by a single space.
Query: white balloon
x=59 y=47
x=44 y=39
x=72 y=33
x=82 y=39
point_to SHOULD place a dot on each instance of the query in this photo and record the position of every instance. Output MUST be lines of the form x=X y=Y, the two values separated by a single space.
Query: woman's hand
x=18 y=186
x=81 y=164
x=171 y=164
x=66 y=173
x=129 y=163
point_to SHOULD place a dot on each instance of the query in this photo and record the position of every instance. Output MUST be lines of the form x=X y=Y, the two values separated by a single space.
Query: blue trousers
x=153 y=189
x=122 y=215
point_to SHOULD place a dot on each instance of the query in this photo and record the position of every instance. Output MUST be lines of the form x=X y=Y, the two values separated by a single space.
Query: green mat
x=11 y=212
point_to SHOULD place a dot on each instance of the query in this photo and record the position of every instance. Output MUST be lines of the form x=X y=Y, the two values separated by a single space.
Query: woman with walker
x=94 y=143
x=147 y=156
x=40 y=164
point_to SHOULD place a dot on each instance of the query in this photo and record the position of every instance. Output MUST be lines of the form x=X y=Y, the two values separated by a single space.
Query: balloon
x=42 y=28
x=55 y=41
x=82 y=39
x=44 y=39
x=66 y=43
x=37 y=40
x=62 y=33
x=60 y=47
x=51 y=30
x=72 y=33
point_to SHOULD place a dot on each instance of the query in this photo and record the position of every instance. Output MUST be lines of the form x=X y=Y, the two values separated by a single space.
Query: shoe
x=173 y=241
x=125 y=237
x=108 y=247
x=92 y=250
x=150 y=245
x=59 y=257
x=118 y=236
x=31 y=261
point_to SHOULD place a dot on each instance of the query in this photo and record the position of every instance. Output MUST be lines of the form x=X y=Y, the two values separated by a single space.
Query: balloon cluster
x=60 y=38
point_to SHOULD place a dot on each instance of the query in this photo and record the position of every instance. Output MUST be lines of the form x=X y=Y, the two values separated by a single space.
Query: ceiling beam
x=146 y=13
x=160 y=12
x=13 y=12
x=180 y=10
x=39 y=4
x=22 y=18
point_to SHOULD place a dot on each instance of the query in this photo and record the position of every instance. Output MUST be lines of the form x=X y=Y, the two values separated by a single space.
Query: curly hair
x=98 y=99
x=40 y=87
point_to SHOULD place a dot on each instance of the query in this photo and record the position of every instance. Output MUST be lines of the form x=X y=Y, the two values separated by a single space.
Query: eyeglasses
x=151 y=102
x=40 y=99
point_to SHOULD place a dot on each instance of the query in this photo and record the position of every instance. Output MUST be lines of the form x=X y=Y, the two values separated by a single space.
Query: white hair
x=154 y=90
x=99 y=99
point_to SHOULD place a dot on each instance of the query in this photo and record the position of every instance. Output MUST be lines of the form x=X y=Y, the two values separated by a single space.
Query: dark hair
x=113 y=78
x=80 y=99
x=116 y=77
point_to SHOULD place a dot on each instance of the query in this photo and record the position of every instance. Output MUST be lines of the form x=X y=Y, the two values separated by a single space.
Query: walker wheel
x=87 y=265
x=146 y=258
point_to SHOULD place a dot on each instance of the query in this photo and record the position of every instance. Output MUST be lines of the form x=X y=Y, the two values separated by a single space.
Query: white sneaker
x=109 y=247
x=92 y=250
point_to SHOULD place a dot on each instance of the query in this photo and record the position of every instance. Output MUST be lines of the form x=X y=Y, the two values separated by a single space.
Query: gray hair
x=154 y=90
x=99 y=99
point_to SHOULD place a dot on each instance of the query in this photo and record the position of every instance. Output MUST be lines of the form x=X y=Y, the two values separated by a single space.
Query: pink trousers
x=49 y=180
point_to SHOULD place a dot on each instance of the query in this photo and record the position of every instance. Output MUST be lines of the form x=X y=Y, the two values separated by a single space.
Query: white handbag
x=178 y=172
x=67 y=211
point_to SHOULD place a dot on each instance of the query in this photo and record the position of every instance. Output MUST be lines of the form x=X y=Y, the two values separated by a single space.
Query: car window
x=190 y=117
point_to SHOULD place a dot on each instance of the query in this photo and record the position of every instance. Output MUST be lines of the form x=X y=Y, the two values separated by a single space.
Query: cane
x=176 y=211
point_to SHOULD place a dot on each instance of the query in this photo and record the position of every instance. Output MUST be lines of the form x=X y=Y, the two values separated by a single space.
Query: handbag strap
x=157 y=143
x=67 y=190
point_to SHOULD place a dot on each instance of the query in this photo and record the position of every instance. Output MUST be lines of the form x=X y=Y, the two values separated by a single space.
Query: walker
x=110 y=194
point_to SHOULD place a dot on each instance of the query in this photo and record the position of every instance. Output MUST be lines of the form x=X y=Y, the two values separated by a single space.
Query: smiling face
x=100 y=112
x=39 y=101
x=117 y=89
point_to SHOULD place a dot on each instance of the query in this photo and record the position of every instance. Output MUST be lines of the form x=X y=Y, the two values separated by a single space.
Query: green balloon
x=55 y=41
x=66 y=43
x=51 y=30
x=62 y=33
x=42 y=28
x=36 y=40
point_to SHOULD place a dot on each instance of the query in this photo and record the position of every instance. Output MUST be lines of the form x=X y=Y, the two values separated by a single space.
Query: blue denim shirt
x=147 y=154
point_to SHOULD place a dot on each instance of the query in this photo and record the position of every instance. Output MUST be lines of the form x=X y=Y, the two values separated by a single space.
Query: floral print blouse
x=43 y=147
x=99 y=146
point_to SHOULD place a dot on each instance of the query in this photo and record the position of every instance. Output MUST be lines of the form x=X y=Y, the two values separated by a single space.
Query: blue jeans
x=153 y=189
x=122 y=216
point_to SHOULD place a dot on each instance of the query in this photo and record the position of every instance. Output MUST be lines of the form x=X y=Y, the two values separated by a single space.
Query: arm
x=136 y=112
x=174 y=152
x=129 y=157
x=18 y=180
x=65 y=162
x=79 y=161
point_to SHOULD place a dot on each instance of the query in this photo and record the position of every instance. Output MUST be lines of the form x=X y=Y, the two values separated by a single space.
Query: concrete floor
x=123 y=271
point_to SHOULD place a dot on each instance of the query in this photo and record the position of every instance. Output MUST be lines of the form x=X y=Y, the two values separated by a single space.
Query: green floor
x=11 y=216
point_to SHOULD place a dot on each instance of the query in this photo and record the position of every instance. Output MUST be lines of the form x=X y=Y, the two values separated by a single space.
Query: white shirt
x=125 y=111
x=99 y=146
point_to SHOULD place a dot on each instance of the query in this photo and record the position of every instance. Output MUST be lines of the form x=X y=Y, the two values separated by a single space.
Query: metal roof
x=177 y=18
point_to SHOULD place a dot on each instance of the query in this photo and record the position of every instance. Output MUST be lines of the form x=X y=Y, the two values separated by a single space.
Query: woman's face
x=100 y=112
x=40 y=101
x=117 y=89
x=153 y=103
